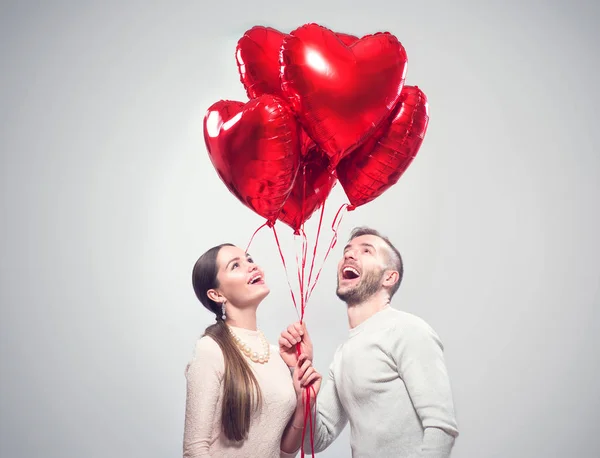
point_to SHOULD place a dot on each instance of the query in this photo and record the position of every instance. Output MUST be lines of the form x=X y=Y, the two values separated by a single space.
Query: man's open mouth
x=350 y=273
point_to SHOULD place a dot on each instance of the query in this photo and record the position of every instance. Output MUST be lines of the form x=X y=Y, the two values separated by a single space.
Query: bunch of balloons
x=323 y=107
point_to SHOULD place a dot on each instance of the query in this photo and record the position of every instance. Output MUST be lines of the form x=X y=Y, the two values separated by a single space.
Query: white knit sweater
x=389 y=381
x=203 y=435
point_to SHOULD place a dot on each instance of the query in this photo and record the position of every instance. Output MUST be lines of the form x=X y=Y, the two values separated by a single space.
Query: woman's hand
x=306 y=379
x=305 y=375
x=295 y=334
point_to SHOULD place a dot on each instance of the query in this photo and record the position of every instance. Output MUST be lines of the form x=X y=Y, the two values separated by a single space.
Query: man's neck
x=359 y=313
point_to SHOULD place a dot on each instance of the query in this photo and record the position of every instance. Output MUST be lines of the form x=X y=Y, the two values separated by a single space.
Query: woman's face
x=241 y=281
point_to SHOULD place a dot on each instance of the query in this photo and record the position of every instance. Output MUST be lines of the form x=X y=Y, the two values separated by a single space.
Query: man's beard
x=369 y=284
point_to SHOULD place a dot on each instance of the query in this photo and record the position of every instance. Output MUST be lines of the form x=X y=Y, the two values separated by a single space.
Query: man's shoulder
x=403 y=326
x=337 y=354
x=407 y=321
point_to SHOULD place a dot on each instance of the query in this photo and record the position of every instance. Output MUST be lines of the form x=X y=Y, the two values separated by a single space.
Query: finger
x=304 y=360
x=306 y=335
x=283 y=342
x=300 y=367
x=294 y=333
x=305 y=366
x=304 y=329
x=287 y=342
x=312 y=378
x=299 y=328
x=307 y=374
x=289 y=336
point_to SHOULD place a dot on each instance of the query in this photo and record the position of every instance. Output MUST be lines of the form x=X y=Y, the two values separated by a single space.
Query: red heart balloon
x=255 y=150
x=307 y=144
x=257 y=55
x=376 y=166
x=341 y=93
x=346 y=38
x=311 y=188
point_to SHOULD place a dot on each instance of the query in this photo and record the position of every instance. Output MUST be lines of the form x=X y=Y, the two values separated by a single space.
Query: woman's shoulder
x=207 y=361
x=207 y=351
x=206 y=344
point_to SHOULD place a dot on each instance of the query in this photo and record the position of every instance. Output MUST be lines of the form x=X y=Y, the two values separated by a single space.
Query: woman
x=242 y=400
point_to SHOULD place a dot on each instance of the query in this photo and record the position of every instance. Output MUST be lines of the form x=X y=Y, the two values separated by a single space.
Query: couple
x=388 y=380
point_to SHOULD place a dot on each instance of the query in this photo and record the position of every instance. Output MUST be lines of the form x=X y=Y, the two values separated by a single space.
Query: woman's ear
x=215 y=296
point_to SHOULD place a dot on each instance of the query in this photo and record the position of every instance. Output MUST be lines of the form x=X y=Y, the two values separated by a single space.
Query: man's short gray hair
x=394 y=256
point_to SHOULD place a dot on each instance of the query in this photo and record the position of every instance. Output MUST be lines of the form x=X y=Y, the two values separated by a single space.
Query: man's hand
x=288 y=340
x=305 y=375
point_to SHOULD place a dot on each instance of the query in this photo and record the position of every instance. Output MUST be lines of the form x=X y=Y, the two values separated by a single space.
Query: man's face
x=361 y=270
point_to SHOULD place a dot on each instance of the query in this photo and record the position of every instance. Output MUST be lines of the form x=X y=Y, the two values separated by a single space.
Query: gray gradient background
x=103 y=177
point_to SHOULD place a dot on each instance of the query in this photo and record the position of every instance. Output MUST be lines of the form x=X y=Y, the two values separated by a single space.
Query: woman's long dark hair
x=240 y=388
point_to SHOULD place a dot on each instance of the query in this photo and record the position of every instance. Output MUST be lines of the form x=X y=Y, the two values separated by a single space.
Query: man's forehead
x=366 y=239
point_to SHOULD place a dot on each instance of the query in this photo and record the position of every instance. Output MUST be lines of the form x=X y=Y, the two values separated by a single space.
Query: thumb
x=306 y=335
x=299 y=363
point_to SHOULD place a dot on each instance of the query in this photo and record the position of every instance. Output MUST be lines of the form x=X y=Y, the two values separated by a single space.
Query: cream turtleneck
x=203 y=435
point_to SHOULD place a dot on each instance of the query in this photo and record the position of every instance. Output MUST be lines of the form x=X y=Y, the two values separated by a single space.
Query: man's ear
x=215 y=296
x=390 y=278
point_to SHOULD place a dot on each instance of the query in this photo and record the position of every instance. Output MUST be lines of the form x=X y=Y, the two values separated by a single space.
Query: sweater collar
x=373 y=321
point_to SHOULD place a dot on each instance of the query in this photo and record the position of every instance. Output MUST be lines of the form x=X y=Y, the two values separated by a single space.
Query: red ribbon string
x=285 y=269
x=334 y=227
x=306 y=289
x=315 y=248
x=253 y=235
x=300 y=263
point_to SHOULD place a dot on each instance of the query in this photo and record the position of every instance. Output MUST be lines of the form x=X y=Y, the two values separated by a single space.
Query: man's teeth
x=351 y=270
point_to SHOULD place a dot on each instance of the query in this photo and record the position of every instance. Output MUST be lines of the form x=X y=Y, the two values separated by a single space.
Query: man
x=389 y=379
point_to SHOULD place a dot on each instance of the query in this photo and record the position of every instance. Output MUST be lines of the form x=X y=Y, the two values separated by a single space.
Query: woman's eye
x=251 y=261
x=235 y=264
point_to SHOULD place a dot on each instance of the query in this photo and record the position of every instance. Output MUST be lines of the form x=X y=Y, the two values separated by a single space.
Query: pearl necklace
x=261 y=358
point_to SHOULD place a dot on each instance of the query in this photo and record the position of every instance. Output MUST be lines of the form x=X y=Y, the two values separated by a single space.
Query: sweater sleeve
x=331 y=417
x=204 y=375
x=418 y=353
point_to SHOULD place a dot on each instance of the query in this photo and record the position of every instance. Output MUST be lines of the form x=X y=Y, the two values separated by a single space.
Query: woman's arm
x=304 y=376
x=204 y=376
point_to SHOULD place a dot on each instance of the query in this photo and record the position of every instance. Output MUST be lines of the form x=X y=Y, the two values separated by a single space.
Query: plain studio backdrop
x=108 y=198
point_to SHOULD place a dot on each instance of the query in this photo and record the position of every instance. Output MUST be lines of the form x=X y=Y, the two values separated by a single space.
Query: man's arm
x=420 y=361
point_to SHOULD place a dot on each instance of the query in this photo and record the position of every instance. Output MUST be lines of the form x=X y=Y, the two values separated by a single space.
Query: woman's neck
x=245 y=319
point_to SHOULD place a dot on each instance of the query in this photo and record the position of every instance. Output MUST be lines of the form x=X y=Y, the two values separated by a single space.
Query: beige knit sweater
x=203 y=435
